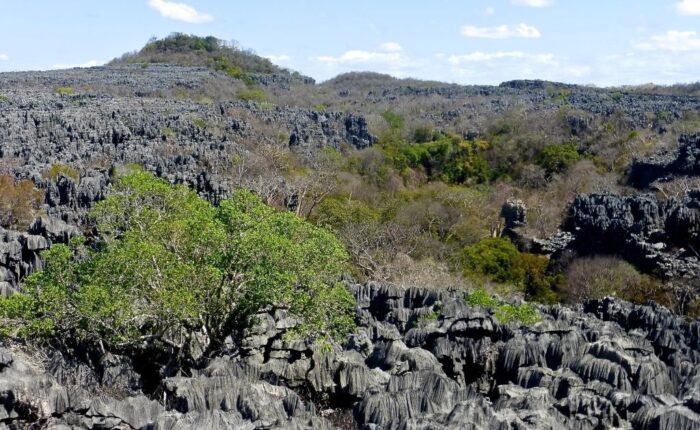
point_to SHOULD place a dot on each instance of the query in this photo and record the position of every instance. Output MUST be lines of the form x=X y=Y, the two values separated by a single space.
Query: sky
x=598 y=42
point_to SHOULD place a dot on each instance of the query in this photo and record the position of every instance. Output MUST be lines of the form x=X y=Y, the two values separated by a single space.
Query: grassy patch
x=57 y=170
x=64 y=91
x=200 y=123
x=255 y=95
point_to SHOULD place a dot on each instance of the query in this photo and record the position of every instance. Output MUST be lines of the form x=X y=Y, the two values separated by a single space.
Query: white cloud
x=388 y=58
x=180 y=12
x=357 y=56
x=4 y=57
x=391 y=47
x=688 y=7
x=91 y=63
x=476 y=57
x=672 y=40
x=280 y=58
x=389 y=53
x=533 y=3
x=489 y=11
x=501 y=32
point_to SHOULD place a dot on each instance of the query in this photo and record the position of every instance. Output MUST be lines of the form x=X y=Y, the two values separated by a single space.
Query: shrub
x=601 y=276
x=557 y=158
x=223 y=64
x=64 y=91
x=539 y=285
x=200 y=123
x=423 y=134
x=394 y=120
x=499 y=260
x=57 y=170
x=255 y=95
x=19 y=202
x=167 y=132
x=339 y=211
x=693 y=309
x=504 y=312
x=169 y=264
x=495 y=258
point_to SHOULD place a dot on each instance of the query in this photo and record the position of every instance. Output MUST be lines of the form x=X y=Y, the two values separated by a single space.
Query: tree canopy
x=168 y=264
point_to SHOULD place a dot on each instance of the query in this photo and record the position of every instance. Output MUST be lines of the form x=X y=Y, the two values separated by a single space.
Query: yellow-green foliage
x=19 y=201
x=504 y=312
x=450 y=159
x=169 y=261
x=64 y=91
x=337 y=212
x=499 y=260
x=200 y=123
x=255 y=95
x=57 y=170
x=167 y=132
x=394 y=120
x=557 y=158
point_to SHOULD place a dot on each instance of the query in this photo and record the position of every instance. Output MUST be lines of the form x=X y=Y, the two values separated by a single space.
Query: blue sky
x=471 y=42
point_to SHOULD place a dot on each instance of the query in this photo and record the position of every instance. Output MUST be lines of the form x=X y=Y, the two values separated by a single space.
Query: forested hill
x=194 y=51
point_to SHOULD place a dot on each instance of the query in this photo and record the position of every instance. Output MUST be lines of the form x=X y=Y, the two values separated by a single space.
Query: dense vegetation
x=168 y=269
x=423 y=205
x=190 y=50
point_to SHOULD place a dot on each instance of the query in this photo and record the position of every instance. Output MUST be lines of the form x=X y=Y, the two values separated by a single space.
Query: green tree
x=169 y=265
x=538 y=283
x=496 y=258
x=557 y=158
x=499 y=260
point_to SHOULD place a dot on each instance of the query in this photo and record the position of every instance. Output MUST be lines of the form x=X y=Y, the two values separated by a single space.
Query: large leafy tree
x=169 y=265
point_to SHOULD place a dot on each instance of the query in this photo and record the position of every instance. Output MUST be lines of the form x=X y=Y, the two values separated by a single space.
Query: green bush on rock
x=504 y=312
x=499 y=260
x=168 y=264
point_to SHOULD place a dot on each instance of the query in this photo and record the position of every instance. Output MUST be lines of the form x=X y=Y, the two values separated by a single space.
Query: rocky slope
x=661 y=236
x=684 y=160
x=420 y=359
x=446 y=103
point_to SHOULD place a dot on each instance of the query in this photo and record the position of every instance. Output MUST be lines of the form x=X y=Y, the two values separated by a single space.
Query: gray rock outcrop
x=418 y=359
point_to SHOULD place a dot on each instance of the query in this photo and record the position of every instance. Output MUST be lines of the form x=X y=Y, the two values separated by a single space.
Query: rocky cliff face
x=419 y=359
x=684 y=160
x=660 y=236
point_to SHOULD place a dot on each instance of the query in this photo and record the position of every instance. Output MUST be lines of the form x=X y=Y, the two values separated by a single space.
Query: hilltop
x=195 y=51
